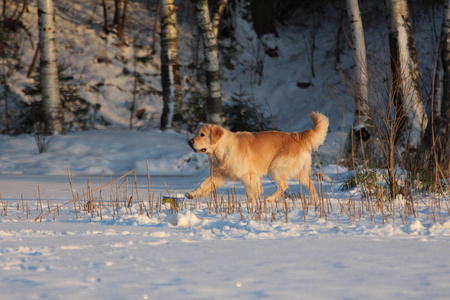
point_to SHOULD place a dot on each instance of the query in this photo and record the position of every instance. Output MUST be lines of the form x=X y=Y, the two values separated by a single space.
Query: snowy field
x=195 y=253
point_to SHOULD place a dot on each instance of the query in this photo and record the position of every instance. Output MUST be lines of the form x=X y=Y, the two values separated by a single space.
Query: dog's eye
x=202 y=134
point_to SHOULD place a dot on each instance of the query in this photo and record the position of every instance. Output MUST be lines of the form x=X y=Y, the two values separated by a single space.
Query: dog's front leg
x=253 y=187
x=211 y=183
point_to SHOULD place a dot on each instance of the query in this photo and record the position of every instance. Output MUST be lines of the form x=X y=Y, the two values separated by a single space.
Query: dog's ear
x=216 y=133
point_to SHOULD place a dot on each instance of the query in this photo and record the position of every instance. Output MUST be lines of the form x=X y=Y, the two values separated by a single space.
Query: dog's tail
x=314 y=137
x=319 y=132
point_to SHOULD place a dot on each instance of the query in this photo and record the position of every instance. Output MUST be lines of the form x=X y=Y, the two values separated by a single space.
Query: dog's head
x=206 y=138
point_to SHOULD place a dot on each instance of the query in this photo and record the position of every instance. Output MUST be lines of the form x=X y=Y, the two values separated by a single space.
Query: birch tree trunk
x=405 y=72
x=441 y=134
x=51 y=102
x=170 y=68
x=359 y=133
x=208 y=30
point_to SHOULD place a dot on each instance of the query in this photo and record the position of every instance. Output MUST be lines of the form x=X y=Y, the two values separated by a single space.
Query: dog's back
x=266 y=142
x=261 y=152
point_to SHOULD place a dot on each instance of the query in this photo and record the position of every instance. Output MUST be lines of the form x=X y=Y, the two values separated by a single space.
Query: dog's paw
x=189 y=196
x=269 y=199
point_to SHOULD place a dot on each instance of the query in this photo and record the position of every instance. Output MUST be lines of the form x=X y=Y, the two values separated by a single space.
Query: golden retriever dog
x=247 y=157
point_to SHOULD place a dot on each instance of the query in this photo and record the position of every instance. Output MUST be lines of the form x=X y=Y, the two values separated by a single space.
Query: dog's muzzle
x=191 y=144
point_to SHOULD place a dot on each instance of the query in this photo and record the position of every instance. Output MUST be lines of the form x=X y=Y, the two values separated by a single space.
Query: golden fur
x=247 y=157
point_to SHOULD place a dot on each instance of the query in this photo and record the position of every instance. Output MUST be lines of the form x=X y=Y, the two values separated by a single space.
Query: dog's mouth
x=203 y=150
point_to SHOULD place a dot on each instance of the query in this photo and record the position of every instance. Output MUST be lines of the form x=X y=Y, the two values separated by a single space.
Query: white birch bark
x=51 y=101
x=443 y=132
x=359 y=44
x=208 y=30
x=361 y=91
x=406 y=71
x=170 y=69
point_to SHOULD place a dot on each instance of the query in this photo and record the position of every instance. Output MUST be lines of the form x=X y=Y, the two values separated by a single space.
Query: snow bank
x=102 y=152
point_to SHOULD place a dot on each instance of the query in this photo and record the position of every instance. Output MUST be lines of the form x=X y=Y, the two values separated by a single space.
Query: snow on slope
x=99 y=152
x=101 y=68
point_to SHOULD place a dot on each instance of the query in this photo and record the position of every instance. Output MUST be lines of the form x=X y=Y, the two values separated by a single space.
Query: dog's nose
x=191 y=142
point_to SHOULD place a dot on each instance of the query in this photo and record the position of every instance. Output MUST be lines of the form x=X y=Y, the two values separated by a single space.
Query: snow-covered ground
x=206 y=250
x=195 y=253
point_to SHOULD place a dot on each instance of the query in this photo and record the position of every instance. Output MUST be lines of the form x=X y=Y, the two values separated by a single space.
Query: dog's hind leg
x=304 y=177
x=281 y=185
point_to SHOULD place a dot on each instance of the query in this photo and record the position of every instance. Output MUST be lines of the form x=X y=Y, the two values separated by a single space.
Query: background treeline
x=176 y=56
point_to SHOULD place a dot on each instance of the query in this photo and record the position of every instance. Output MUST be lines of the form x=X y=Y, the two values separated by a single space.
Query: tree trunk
x=436 y=108
x=155 y=26
x=405 y=77
x=208 y=30
x=264 y=16
x=33 y=62
x=116 y=18
x=122 y=21
x=170 y=68
x=51 y=102
x=105 y=17
x=442 y=120
x=435 y=144
x=357 y=139
x=6 y=89
x=438 y=88
x=218 y=12
x=445 y=56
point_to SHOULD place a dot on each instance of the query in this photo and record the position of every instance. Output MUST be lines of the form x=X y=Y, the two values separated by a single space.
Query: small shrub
x=242 y=114
x=359 y=178
x=194 y=111
x=79 y=113
x=370 y=182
